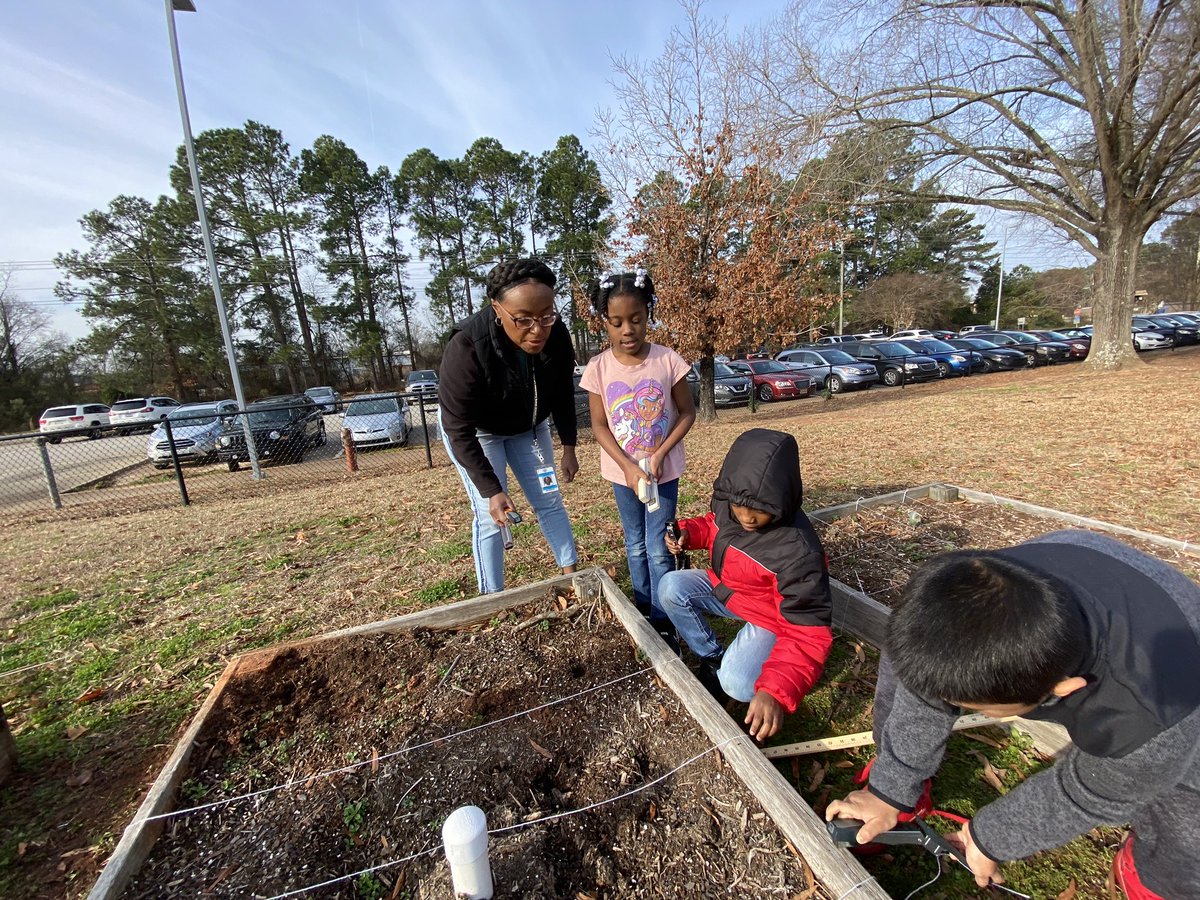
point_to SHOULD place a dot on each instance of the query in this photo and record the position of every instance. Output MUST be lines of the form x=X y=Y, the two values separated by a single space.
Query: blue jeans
x=515 y=452
x=685 y=596
x=645 y=543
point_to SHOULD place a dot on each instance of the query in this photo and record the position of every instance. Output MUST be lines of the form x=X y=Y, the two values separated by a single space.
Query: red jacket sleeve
x=700 y=532
x=800 y=651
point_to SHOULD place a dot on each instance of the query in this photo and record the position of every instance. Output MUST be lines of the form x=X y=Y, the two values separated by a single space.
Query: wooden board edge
x=829 y=513
x=837 y=870
x=863 y=616
x=1189 y=547
x=139 y=836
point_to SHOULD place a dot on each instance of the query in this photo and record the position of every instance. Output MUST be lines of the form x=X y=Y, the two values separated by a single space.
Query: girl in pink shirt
x=641 y=408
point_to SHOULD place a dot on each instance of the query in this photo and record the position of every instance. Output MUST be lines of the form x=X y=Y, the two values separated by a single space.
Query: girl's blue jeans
x=686 y=597
x=645 y=543
x=515 y=452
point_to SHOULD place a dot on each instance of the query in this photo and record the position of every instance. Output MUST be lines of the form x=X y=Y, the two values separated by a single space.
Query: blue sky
x=89 y=109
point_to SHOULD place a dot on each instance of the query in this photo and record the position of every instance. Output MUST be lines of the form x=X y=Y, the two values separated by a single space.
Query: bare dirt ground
x=127 y=608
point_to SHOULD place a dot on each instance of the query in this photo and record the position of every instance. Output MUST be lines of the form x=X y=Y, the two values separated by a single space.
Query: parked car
x=1145 y=338
x=1180 y=331
x=950 y=359
x=92 y=416
x=917 y=333
x=971 y=329
x=377 y=420
x=1040 y=353
x=325 y=397
x=128 y=416
x=995 y=358
x=583 y=401
x=422 y=381
x=836 y=339
x=1077 y=347
x=895 y=363
x=835 y=370
x=773 y=380
x=195 y=428
x=730 y=388
x=283 y=428
x=942 y=334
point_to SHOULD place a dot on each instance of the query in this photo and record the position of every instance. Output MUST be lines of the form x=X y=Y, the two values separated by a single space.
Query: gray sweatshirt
x=1135 y=729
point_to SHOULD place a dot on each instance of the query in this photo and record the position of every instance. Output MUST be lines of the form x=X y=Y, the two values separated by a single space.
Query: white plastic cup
x=464 y=835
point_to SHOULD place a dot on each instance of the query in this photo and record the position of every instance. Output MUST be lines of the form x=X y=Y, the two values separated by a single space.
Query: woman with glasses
x=506 y=370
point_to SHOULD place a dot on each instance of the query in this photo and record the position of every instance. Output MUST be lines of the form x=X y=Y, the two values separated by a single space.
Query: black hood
x=1140 y=663
x=762 y=471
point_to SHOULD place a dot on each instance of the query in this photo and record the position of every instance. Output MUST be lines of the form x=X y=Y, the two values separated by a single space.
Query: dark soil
x=876 y=549
x=327 y=705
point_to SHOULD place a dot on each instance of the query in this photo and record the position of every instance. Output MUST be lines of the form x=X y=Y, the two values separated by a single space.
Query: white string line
x=27 y=668
x=403 y=750
x=866 y=880
x=520 y=825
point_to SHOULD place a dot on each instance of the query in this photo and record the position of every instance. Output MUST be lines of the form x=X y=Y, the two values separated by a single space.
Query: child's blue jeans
x=515 y=452
x=686 y=597
x=645 y=543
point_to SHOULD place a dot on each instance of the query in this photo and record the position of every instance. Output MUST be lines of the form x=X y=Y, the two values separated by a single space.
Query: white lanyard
x=537 y=449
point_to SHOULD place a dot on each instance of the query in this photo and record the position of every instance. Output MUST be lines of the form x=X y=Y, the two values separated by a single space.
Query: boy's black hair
x=513 y=272
x=976 y=627
x=633 y=284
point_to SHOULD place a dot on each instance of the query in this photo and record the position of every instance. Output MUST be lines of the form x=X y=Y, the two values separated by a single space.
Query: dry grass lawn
x=129 y=617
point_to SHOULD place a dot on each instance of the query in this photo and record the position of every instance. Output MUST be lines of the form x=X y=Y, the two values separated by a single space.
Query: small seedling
x=354 y=816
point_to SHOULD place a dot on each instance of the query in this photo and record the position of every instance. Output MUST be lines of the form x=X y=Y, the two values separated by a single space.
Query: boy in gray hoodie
x=1074 y=628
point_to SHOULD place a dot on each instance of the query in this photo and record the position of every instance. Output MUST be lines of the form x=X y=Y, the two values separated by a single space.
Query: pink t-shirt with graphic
x=637 y=400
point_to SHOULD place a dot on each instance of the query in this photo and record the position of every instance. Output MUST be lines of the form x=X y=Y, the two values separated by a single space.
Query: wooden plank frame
x=837 y=870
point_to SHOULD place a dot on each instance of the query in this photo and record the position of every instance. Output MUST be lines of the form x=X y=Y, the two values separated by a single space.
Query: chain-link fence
x=218 y=450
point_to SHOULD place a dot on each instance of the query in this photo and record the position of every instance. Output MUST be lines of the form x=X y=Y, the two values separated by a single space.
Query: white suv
x=93 y=416
x=141 y=412
x=918 y=334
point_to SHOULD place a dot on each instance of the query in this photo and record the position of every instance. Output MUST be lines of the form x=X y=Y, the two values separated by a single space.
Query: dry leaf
x=21 y=848
x=662 y=712
x=653 y=813
x=845 y=764
x=80 y=779
x=990 y=774
x=860 y=659
x=983 y=739
x=383 y=841
x=1069 y=892
x=818 y=776
x=542 y=750
x=300 y=538
x=374 y=760
x=796 y=769
x=75 y=731
x=89 y=696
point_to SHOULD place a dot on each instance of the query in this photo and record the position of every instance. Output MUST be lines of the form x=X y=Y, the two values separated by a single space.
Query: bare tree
x=22 y=326
x=1084 y=114
x=906 y=298
x=730 y=240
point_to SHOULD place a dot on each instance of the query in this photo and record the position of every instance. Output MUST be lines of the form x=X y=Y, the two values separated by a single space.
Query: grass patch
x=439 y=592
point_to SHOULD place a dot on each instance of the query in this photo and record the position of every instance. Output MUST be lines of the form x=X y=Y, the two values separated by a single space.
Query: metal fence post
x=175 y=461
x=425 y=428
x=51 y=484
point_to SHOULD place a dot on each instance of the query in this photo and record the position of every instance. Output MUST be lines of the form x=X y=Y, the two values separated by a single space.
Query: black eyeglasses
x=528 y=323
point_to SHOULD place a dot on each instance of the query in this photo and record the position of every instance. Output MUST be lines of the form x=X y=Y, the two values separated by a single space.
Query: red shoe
x=923 y=807
x=1125 y=874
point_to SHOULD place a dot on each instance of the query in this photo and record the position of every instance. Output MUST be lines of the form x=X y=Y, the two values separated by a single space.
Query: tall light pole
x=841 y=285
x=1000 y=284
x=188 y=6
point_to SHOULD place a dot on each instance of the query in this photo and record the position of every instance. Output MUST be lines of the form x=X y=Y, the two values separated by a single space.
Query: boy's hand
x=982 y=866
x=876 y=815
x=765 y=716
x=680 y=545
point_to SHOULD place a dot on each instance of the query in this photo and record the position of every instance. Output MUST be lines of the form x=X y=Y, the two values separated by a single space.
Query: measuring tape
x=862 y=738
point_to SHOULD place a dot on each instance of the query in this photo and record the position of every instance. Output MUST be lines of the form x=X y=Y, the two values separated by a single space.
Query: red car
x=1079 y=345
x=773 y=380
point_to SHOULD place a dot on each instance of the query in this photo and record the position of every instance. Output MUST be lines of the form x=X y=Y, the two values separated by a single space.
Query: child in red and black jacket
x=768 y=570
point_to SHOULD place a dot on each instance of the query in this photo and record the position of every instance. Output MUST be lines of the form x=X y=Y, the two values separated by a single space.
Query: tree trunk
x=8 y=750
x=293 y=273
x=1112 y=306
x=708 y=406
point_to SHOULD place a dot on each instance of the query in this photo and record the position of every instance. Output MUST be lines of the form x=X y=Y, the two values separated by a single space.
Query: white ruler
x=862 y=738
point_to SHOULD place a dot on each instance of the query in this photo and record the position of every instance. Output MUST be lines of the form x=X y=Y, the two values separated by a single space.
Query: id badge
x=547 y=479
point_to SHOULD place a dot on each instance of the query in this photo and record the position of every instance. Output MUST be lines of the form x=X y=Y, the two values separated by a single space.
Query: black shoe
x=667 y=632
x=706 y=674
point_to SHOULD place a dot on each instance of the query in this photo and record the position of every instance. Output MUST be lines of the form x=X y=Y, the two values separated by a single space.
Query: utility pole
x=841 y=285
x=1000 y=285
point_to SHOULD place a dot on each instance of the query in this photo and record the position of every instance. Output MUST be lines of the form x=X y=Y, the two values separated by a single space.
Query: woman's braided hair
x=513 y=272
x=634 y=284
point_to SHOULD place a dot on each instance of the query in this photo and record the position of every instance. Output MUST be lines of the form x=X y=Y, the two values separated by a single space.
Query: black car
x=729 y=388
x=895 y=363
x=283 y=429
x=1040 y=352
x=583 y=404
x=995 y=358
x=1180 y=329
